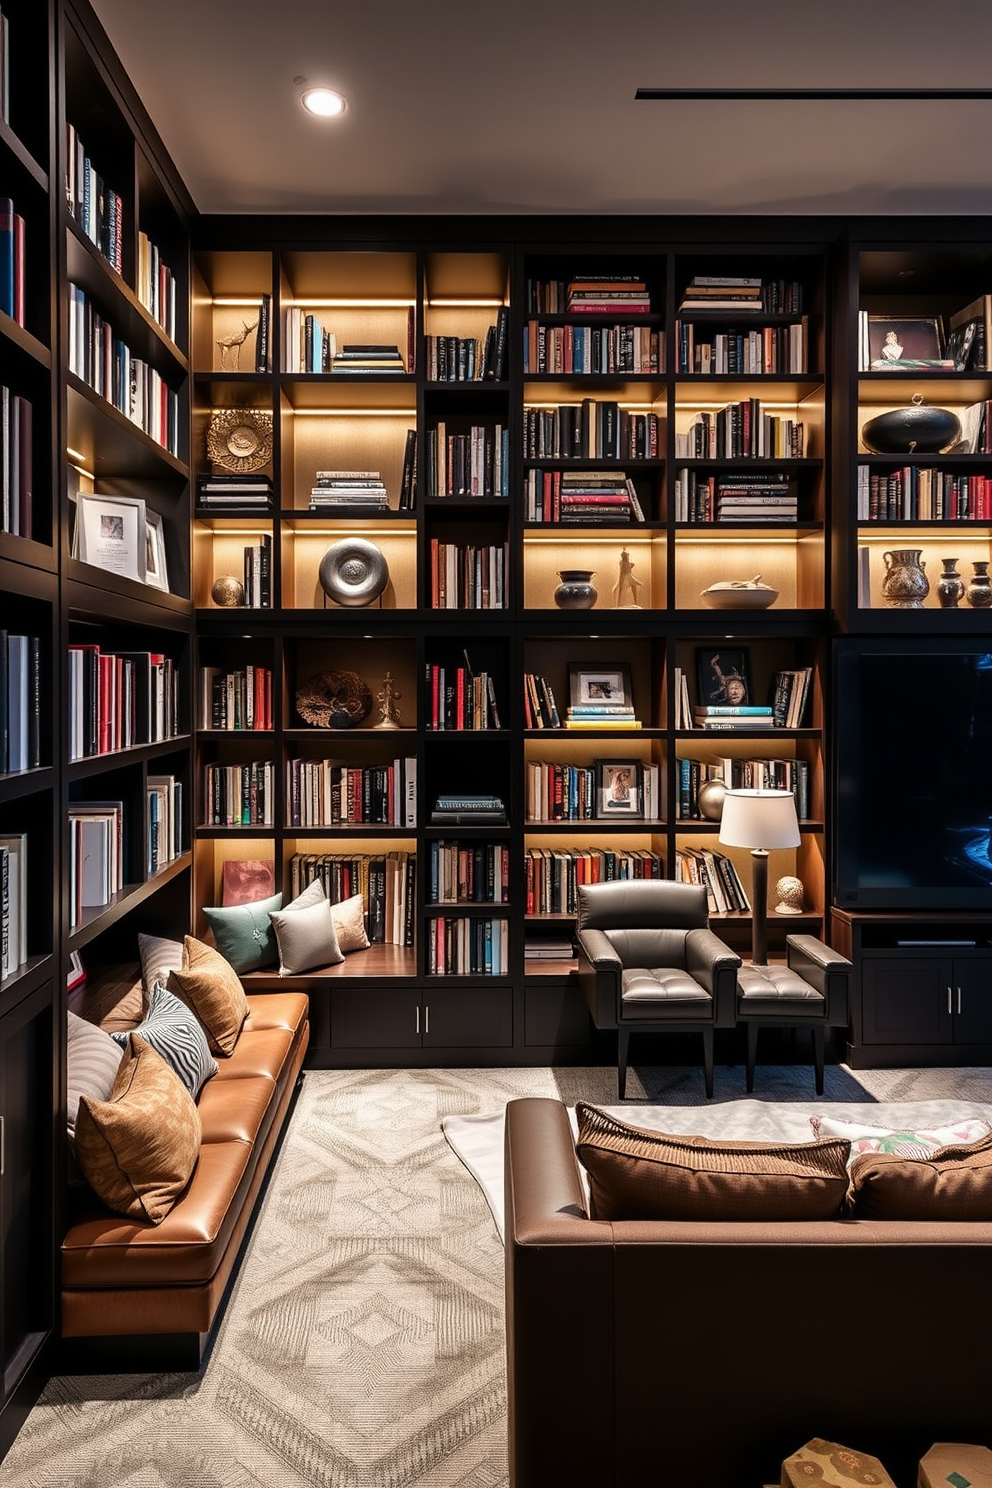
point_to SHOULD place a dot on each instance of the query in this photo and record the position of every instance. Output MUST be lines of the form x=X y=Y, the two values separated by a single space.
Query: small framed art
x=619 y=791
x=156 y=572
x=901 y=342
x=112 y=534
x=599 y=686
x=723 y=676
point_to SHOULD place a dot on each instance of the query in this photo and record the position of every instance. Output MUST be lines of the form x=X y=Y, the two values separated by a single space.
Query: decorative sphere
x=228 y=592
x=790 y=895
x=710 y=799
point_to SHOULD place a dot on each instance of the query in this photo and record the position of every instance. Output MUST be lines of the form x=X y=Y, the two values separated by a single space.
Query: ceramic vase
x=979 y=591
x=950 y=585
x=905 y=585
x=576 y=591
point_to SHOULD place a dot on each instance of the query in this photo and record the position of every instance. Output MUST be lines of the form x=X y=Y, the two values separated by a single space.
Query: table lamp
x=761 y=820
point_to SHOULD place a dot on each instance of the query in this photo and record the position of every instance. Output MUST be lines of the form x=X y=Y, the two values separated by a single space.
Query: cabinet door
x=479 y=1017
x=376 y=1018
x=27 y=1243
x=905 y=1001
x=972 y=1000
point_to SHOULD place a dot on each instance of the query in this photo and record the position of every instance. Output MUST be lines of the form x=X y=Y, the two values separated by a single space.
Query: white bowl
x=731 y=596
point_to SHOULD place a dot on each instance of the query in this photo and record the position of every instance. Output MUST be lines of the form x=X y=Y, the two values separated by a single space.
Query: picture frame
x=156 y=568
x=723 y=676
x=75 y=973
x=112 y=534
x=619 y=789
x=898 y=342
x=599 y=684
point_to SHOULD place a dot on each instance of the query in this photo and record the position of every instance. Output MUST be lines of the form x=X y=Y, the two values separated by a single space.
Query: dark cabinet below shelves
x=915 y=998
x=416 y=1018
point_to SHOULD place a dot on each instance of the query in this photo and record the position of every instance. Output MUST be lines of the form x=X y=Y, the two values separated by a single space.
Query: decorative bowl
x=916 y=429
x=740 y=594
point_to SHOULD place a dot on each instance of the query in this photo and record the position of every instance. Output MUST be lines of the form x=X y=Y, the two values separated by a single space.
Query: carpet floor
x=362 y=1344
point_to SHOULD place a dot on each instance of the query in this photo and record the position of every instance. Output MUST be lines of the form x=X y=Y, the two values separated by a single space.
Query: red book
x=460 y=698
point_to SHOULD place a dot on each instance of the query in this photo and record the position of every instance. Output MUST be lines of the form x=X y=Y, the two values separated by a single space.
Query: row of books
x=596 y=428
x=468 y=872
x=238 y=699
x=121 y=699
x=741 y=431
x=387 y=883
x=163 y=820
x=743 y=294
x=16 y=464
x=579 y=350
x=763 y=351
x=220 y=492
x=467 y=358
x=156 y=285
x=96 y=855
x=459 y=698
x=240 y=795
x=790 y=696
x=468 y=576
x=587 y=293
x=594 y=496
x=13 y=261
x=553 y=875
x=540 y=708
x=564 y=792
x=725 y=893
x=106 y=363
x=258 y=573
x=310 y=347
x=326 y=793
x=741 y=774
x=476 y=463
x=97 y=207
x=913 y=494
x=20 y=702
x=13 y=902
x=753 y=498
x=467 y=946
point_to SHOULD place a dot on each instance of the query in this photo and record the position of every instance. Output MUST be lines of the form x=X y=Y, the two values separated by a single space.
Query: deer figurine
x=234 y=343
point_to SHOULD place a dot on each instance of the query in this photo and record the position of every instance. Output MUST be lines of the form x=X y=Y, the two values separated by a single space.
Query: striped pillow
x=173 y=1031
x=158 y=957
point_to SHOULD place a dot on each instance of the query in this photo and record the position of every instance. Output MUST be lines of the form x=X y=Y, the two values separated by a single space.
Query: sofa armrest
x=826 y=970
x=714 y=965
x=600 y=976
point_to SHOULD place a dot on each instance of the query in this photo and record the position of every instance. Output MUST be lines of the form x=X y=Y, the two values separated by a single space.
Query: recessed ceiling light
x=323 y=101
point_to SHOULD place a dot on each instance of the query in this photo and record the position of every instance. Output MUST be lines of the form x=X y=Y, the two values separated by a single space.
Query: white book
x=94 y=861
x=5 y=966
x=18 y=699
x=16 y=845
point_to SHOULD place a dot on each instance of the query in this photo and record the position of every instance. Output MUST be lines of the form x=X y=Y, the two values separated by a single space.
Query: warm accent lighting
x=774 y=95
x=761 y=820
x=465 y=304
x=323 y=102
x=407 y=413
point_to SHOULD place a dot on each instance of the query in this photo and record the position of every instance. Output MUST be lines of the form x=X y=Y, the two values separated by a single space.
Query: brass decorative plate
x=239 y=439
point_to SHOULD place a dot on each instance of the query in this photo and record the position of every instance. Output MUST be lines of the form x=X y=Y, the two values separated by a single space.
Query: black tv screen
x=914 y=775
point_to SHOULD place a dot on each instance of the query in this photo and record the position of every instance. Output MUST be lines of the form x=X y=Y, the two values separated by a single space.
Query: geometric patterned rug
x=362 y=1345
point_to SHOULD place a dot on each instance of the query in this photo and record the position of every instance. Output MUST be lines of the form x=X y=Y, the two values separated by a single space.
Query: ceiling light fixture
x=747 y=95
x=323 y=102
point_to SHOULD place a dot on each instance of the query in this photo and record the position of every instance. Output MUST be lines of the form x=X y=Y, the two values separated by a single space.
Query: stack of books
x=605 y=294
x=547 y=949
x=217 y=492
x=755 y=499
x=722 y=292
x=468 y=811
x=725 y=718
x=601 y=716
x=358 y=490
x=369 y=357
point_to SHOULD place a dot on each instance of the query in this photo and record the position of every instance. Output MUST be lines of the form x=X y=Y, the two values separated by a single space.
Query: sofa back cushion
x=953 y=1183
x=639 y=1174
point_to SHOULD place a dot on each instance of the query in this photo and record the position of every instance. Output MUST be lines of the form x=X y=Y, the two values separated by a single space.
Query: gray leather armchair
x=812 y=990
x=648 y=963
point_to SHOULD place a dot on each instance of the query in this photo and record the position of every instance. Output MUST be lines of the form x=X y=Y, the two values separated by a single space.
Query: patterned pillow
x=158 y=957
x=900 y=1143
x=138 y=1149
x=93 y=1059
x=208 y=985
x=244 y=933
x=953 y=1183
x=172 y=1031
x=349 y=923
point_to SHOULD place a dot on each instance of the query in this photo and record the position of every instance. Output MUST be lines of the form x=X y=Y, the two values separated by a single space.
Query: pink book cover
x=245 y=880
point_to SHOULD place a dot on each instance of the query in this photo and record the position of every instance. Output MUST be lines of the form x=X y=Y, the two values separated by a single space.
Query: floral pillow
x=900 y=1143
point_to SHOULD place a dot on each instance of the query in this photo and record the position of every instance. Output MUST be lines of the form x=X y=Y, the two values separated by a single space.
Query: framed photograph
x=112 y=534
x=619 y=790
x=895 y=340
x=156 y=572
x=723 y=676
x=76 y=974
x=599 y=686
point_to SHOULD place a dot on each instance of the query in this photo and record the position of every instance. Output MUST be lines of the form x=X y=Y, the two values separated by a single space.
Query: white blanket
x=478 y=1140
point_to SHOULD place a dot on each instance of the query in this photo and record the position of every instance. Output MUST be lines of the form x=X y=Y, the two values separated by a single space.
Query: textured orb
x=353 y=572
x=790 y=894
x=228 y=592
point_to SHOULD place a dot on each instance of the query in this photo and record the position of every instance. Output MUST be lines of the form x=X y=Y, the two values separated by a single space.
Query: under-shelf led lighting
x=237 y=302
x=407 y=413
x=353 y=302
x=323 y=102
x=465 y=304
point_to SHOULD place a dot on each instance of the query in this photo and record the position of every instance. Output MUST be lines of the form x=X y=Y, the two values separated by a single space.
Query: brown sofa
x=681 y=1353
x=146 y=1297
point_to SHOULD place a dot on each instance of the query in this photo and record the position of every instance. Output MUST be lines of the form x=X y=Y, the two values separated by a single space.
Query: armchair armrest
x=598 y=950
x=600 y=976
x=826 y=970
x=714 y=965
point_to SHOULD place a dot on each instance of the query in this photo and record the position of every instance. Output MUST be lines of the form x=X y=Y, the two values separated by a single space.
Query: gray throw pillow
x=172 y=1030
x=244 y=933
x=306 y=937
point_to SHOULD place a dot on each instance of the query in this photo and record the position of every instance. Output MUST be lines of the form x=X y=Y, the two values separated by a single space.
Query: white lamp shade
x=759 y=819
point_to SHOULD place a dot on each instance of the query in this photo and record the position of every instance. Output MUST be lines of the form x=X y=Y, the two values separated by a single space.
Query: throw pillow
x=174 y=1032
x=138 y=1149
x=312 y=894
x=306 y=938
x=953 y=1183
x=900 y=1142
x=209 y=985
x=349 y=924
x=158 y=958
x=92 y=1059
x=244 y=933
x=639 y=1174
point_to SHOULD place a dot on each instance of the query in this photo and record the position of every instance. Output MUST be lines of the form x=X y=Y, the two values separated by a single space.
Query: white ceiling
x=528 y=105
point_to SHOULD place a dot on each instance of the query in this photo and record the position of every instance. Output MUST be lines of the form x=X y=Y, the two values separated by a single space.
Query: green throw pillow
x=244 y=933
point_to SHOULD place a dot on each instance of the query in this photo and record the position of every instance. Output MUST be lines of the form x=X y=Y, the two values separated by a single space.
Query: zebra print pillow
x=173 y=1031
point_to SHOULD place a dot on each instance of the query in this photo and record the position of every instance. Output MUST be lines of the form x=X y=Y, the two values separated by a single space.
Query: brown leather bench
x=141 y=1296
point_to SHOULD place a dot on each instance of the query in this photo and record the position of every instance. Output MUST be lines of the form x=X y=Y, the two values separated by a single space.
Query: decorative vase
x=950 y=585
x=905 y=585
x=917 y=429
x=979 y=591
x=576 y=592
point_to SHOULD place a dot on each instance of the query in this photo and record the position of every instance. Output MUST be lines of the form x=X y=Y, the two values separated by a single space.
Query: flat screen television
x=913 y=786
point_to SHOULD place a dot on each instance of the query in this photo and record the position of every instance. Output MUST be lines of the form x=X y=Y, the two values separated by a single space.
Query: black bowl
x=917 y=429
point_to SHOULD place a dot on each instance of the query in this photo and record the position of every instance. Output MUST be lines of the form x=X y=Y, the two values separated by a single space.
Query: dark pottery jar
x=576 y=592
x=979 y=591
x=916 y=429
x=950 y=585
x=905 y=585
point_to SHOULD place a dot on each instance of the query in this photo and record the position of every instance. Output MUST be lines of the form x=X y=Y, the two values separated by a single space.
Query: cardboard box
x=824 y=1464
x=954 y=1465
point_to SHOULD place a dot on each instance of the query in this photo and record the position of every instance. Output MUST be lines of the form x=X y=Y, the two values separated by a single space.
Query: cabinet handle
x=959 y=1001
x=427 y=1017
x=417 y=1029
x=949 y=1000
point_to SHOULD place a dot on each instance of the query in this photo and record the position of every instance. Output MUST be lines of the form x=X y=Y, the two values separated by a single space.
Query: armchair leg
x=752 y=1050
x=623 y=1047
x=708 y=1061
x=818 y=1043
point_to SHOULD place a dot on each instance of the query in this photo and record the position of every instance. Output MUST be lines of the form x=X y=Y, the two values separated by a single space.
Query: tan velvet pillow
x=348 y=918
x=211 y=987
x=639 y=1174
x=138 y=1149
x=952 y=1183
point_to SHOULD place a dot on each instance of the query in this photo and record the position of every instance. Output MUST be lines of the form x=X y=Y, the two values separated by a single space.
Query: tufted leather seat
x=810 y=991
